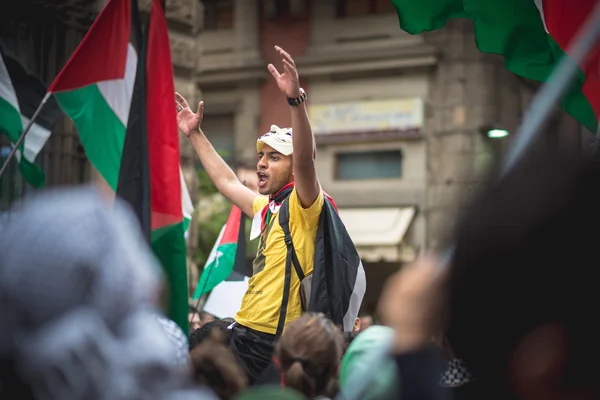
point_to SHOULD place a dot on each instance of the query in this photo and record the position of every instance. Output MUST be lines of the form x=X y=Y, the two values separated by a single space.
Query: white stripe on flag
x=35 y=140
x=118 y=92
x=540 y=6
x=7 y=91
x=37 y=136
x=358 y=292
x=186 y=201
x=187 y=207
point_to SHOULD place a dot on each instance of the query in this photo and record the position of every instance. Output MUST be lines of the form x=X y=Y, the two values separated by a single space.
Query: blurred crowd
x=505 y=314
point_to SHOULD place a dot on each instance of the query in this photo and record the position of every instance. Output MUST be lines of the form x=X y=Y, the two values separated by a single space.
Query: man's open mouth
x=262 y=178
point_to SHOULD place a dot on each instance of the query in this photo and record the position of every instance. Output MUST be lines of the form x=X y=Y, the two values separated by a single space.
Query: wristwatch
x=295 y=101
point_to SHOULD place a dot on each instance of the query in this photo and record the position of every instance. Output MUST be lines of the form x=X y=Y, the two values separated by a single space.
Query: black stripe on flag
x=134 y=176
x=30 y=91
x=240 y=266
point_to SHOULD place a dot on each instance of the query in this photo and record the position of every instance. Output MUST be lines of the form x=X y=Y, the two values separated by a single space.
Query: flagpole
x=22 y=137
x=556 y=86
x=541 y=108
x=197 y=307
x=200 y=298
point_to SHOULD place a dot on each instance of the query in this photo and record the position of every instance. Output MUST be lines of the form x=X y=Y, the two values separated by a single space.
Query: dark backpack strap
x=284 y=222
x=290 y=259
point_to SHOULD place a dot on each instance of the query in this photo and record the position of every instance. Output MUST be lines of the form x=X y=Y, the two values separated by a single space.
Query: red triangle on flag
x=232 y=227
x=107 y=39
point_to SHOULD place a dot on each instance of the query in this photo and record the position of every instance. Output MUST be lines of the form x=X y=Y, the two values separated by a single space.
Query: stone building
x=43 y=34
x=400 y=120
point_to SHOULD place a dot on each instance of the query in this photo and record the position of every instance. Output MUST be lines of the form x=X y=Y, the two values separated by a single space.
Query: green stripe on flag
x=101 y=132
x=169 y=246
x=12 y=126
x=217 y=270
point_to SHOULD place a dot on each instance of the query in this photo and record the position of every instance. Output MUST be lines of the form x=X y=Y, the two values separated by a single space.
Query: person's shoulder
x=306 y=218
x=294 y=201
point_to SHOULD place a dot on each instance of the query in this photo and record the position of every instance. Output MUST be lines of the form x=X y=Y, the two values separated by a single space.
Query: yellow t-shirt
x=262 y=301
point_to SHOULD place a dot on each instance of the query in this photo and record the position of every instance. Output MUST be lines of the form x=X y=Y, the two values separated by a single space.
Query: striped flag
x=20 y=95
x=227 y=259
x=133 y=143
x=169 y=194
x=95 y=87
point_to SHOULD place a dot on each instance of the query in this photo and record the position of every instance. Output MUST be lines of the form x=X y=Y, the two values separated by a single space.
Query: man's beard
x=270 y=190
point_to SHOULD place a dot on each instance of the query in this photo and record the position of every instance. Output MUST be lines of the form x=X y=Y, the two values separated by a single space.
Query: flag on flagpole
x=166 y=181
x=96 y=85
x=133 y=143
x=134 y=172
x=20 y=95
x=225 y=256
x=532 y=35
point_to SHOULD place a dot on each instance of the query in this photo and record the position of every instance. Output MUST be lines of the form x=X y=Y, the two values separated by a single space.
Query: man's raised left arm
x=305 y=174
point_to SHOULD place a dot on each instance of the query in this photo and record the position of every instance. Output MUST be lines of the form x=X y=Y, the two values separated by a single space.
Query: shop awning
x=378 y=232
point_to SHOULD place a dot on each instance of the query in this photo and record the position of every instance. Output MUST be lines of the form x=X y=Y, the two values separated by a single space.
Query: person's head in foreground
x=274 y=166
x=215 y=330
x=523 y=297
x=308 y=355
x=215 y=366
x=79 y=287
x=270 y=392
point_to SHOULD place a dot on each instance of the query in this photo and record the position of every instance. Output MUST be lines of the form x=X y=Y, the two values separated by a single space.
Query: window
x=218 y=15
x=273 y=9
x=219 y=130
x=359 y=8
x=369 y=165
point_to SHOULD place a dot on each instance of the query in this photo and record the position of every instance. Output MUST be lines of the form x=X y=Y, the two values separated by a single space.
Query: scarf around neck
x=263 y=217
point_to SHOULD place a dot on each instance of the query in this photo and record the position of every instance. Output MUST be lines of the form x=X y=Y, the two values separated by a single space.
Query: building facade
x=43 y=35
x=398 y=118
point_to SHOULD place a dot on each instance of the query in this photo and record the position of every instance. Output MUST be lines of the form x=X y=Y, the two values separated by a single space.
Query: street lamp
x=497 y=133
x=494 y=131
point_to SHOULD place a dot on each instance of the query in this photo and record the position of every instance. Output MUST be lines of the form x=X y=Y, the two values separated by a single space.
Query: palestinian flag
x=133 y=143
x=20 y=95
x=532 y=35
x=95 y=87
x=227 y=259
x=168 y=189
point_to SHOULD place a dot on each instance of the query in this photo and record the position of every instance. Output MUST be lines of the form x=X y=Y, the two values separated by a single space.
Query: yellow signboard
x=367 y=116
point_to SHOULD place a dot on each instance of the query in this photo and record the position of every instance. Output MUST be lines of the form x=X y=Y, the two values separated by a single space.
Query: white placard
x=225 y=299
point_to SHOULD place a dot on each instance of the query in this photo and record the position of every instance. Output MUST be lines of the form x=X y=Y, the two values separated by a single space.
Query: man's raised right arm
x=222 y=176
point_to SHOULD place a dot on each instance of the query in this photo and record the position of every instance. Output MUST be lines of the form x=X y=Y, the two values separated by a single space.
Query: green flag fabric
x=532 y=35
x=222 y=258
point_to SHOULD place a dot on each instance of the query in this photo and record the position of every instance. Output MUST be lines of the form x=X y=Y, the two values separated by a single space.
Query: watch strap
x=297 y=100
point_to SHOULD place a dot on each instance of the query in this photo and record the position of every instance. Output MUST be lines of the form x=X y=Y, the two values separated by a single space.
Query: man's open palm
x=288 y=81
x=187 y=120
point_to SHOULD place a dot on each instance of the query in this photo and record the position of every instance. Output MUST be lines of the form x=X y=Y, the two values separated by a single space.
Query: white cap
x=278 y=138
